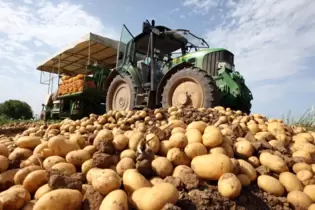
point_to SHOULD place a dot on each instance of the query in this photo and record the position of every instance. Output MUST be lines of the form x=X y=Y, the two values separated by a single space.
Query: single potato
x=211 y=166
x=115 y=200
x=61 y=199
x=229 y=186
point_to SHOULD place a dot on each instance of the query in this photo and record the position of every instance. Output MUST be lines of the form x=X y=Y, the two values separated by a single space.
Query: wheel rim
x=186 y=92
x=121 y=97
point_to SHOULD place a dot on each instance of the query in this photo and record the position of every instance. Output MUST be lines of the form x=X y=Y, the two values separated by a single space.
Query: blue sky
x=273 y=41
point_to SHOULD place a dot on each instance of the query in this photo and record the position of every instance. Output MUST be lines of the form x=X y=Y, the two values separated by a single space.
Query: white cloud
x=29 y=33
x=270 y=39
x=28 y=1
x=201 y=6
x=273 y=42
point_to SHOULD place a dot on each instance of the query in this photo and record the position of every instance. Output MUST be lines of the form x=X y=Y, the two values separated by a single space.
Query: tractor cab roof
x=164 y=43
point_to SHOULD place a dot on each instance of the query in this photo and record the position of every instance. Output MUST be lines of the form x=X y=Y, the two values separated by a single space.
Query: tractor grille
x=210 y=61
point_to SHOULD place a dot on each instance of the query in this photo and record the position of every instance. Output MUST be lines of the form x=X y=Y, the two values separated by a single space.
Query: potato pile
x=160 y=159
x=73 y=84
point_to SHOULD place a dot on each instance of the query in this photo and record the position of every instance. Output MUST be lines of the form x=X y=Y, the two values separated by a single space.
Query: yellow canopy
x=73 y=59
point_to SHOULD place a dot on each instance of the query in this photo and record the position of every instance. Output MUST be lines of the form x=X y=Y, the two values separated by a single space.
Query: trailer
x=80 y=71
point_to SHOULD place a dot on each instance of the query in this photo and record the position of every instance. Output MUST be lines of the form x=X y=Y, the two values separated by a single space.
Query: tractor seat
x=144 y=70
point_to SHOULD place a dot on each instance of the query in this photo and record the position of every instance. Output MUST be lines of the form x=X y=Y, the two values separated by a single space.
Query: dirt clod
x=92 y=199
x=57 y=180
x=102 y=160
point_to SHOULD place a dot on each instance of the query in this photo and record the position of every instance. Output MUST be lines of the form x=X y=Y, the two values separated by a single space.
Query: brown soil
x=102 y=160
x=92 y=199
x=57 y=180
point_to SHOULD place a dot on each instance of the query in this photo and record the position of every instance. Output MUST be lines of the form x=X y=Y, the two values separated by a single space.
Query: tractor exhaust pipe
x=152 y=39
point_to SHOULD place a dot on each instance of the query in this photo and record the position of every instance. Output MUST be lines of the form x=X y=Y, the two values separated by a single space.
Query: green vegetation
x=307 y=120
x=16 y=110
x=5 y=120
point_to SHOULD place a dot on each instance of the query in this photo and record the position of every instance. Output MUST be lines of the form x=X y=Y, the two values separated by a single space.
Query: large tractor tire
x=190 y=87
x=120 y=94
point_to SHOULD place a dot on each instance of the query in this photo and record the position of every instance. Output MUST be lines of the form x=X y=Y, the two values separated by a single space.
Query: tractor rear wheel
x=120 y=94
x=190 y=87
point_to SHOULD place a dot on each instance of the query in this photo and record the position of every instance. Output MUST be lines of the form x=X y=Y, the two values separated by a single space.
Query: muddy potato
x=14 y=198
x=4 y=150
x=177 y=157
x=212 y=137
x=65 y=168
x=52 y=160
x=134 y=140
x=195 y=149
x=254 y=161
x=104 y=180
x=299 y=199
x=304 y=146
x=229 y=186
x=32 y=160
x=246 y=168
x=34 y=180
x=28 y=142
x=310 y=191
x=301 y=166
x=7 y=178
x=42 y=191
x=133 y=180
x=162 y=167
x=245 y=181
x=90 y=148
x=128 y=153
x=277 y=130
x=61 y=199
x=120 y=142
x=218 y=150
x=243 y=148
x=290 y=181
x=270 y=184
x=4 y=163
x=165 y=146
x=162 y=193
x=20 y=153
x=235 y=166
x=178 y=140
x=22 y=173
x=61 y=146
x=78 y=157
x=29 y=205
x=78 y=139
x=115 y=200
x=306 y=177
x=211 y=166
x=125 y=164
x=276 y=143
x=87 y=165
x=273 y=162
x=200 y=125
x=312 y=207
x=153 y=142
x=193 y=135
x=178 y=129
x=307 y=157
x=155 y=180
x=42 y=150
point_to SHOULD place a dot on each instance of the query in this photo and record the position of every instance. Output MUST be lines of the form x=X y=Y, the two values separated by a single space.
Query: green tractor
x=161 y=67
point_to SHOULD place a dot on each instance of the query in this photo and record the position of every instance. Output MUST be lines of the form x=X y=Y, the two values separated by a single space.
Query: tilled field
x=159 y=159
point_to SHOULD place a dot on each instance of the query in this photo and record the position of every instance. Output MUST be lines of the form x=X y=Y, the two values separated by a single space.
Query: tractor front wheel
x=120 y=94
x=190 y=87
